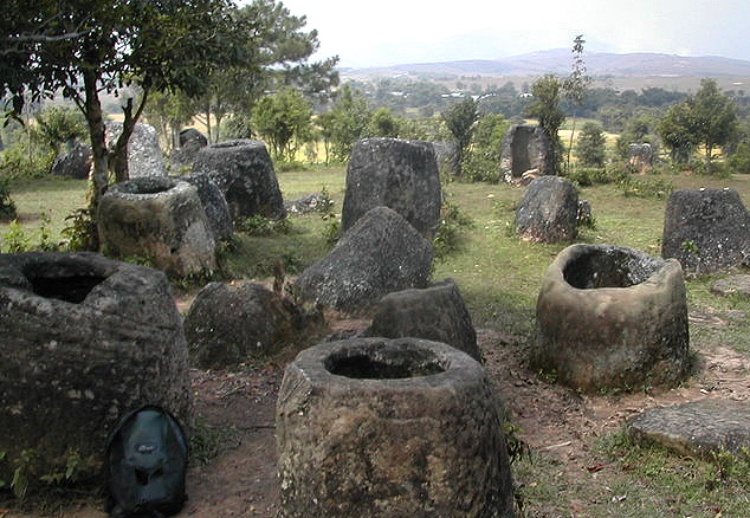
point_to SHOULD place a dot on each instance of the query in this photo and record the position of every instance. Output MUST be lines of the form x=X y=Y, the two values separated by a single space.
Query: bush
x=260 y=226
x=739 y=161
x=26 y=159
x=452 y=223
x=632 y=187
x=590 y=149
x=81 y=234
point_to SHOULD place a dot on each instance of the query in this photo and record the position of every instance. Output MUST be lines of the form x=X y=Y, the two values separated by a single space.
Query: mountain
x=558 y=61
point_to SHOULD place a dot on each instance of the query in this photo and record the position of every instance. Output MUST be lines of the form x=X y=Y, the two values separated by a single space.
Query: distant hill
x=599 y=65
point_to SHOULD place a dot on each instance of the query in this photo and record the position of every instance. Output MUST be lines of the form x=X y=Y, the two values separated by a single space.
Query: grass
x=499 y=276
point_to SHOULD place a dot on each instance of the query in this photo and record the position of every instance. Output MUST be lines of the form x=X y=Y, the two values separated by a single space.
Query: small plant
x=46 y=241
x=262 y=227
x=207 y=442
x=7 y=206
x=691 y=246
x=20 y=482
x=15 y=239
x=645 y=189
x=517 y=448
x=453 y=222
x=81 y=231
x=3 y=455
x=332 y=230
x=73 y=466
x=326 y=203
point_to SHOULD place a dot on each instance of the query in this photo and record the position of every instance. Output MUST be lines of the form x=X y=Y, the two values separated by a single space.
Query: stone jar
x=84 y=340
x=372 y=427
x=160 y=219
x=611 y=317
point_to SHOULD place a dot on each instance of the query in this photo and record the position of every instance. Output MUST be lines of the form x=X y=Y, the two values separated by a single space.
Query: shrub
x=632 y=187
x=453 y=222
x=739 y=161
x=81 y=232
x=7 y=206
x=259 y=226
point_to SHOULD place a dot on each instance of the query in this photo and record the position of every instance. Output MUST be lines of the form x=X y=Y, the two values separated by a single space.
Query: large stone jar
x=372 y=427
x=612 y=318
x=84 y=339
x=161 y=219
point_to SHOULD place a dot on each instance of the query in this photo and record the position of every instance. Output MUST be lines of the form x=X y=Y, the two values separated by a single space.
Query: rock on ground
x=380 y=254
x=700 y=428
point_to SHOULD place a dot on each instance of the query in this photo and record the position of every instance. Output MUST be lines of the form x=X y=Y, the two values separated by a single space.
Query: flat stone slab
x=698 y=428
x=732 y=285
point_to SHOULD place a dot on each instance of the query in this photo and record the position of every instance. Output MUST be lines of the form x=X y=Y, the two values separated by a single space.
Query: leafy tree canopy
x=81 y=48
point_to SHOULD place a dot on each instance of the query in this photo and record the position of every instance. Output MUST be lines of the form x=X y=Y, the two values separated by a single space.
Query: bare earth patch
x=556 y=423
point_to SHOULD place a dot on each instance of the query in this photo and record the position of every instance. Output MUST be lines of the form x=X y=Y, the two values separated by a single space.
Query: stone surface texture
x=527 y=151
x=733 y=285
x=640 y=157
x=698 y=428
x=612 y=318
x=446 y=154
x=191 y=141
x=370 y=427
x=229 y=323
x=214 y=203
x=706 y=230
x=381 y=254
x=161 y=219
x=399 y=174
x=145 y=157
x=548 y=212
x=76 y=163
x=84 y=339
x=436 y=313
x=244 y=172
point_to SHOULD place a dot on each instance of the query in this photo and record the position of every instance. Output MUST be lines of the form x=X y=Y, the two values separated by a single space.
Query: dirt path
x=550 y=419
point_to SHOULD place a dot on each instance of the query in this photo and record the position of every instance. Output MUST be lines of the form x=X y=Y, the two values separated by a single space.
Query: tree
x=545 y=106
x=384 y=124
x=57 y=125
x=483 y=163
x=591 y=150
x=284 y=121
x=82 y=48
x=677 y=130
x=278 y=49
x=575 y=85
x=168 y=113
x=715 y=115
x=707 y=118
x=460 y=120
x=345 y=123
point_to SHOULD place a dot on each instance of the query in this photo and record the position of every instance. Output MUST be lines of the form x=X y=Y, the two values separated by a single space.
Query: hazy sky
x=383 y=32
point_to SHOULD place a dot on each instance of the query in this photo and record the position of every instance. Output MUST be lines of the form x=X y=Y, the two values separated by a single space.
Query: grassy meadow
x=499 y=276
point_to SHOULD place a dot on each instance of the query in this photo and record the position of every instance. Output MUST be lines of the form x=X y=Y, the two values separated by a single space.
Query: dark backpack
x=146 y=465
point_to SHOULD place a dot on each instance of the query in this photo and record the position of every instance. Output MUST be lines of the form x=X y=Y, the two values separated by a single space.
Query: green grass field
x=497 y=272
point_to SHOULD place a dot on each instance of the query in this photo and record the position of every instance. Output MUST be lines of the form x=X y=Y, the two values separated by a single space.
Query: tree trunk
x=570 y=145
x=119 y=159
x=208 y=120
x=99 y=175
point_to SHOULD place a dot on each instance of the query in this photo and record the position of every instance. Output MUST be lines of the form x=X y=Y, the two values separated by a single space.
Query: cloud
x=403 y=31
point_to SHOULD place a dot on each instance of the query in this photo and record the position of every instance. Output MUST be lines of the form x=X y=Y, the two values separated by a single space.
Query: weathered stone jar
x=161 y=219
x=83 y=339
x=371 y=427
x=612 y=318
